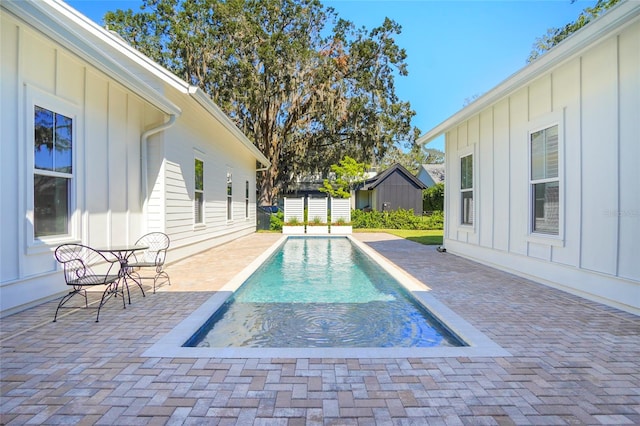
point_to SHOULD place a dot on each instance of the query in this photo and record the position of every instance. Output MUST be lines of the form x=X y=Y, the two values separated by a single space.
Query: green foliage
x=304 y=85
x=294 y=222
x=347 y=175
x=316 y=221
x=433 y=198
x=435 y=220
x=555 y=35
x=427 y=237
x=276 y=221
x=396 y=219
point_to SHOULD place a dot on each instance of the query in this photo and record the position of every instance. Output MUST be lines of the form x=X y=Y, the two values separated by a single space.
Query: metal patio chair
x=85 y=267
x=151 y=258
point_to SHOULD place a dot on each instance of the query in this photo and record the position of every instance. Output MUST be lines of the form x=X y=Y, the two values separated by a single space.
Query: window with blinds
x=545 y=182
x=466 y=189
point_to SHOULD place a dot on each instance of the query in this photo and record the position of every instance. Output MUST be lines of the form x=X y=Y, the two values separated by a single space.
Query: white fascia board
x=82 y=36
x=615 y=19
x=147 y=64
x=207 y=103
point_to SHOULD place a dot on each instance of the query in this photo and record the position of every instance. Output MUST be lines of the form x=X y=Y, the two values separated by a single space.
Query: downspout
x=144 y=162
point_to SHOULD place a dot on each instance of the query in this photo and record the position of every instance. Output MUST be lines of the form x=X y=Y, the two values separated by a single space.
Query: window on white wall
x=246 y=200
x=466 y=189
x=229 y=195
x=198 y=202
x=545 y=182
x=52 y=172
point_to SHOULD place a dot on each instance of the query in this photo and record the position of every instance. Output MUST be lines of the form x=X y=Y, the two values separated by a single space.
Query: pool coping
x=479 y=345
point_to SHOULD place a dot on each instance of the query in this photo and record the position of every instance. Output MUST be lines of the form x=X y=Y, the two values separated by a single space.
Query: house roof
x=378 y=179
x=614 y=20
x=435 y=171
x=108 y=52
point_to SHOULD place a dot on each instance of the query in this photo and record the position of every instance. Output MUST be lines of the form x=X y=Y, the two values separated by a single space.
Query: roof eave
x=207 y=103
x=615 y=19
x=51 y=18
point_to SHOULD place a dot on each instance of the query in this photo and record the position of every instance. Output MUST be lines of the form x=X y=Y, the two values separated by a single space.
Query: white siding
x=109 y=122
x=595 y=97
x=629 y=153
x=501 y=170
x=106 y=149
x=486 y=178
x=600 y=158
x=197 y=134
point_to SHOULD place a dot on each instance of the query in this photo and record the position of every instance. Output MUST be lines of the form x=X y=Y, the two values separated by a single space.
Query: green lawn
x=431 y=237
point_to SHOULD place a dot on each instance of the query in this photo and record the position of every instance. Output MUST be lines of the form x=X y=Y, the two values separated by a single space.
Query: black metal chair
x=85 y=267
x=153 y=257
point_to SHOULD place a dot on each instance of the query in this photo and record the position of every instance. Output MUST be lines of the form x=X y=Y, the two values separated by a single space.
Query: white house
x=542 y=171
x=100 y=145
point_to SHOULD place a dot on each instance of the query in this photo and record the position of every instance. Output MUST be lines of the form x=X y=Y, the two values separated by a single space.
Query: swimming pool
x=478 y=344
x=321 y=292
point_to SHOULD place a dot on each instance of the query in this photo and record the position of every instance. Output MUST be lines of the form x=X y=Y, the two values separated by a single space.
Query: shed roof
x=378 y=179
x=614 y=20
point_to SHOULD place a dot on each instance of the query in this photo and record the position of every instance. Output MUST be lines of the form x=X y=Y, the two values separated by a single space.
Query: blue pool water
x=321 y=292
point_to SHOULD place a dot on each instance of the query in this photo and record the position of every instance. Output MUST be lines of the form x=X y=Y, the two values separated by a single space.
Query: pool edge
x=479 y=345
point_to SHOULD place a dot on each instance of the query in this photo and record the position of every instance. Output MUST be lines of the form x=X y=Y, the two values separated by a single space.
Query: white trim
x=543 y=122
x=89 y=41
x=202 y=223
x=465 y=152
x=229 y=198
x=205 y=101
x=33 y=97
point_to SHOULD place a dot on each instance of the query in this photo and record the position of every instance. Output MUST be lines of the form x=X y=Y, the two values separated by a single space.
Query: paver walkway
x=573 y=361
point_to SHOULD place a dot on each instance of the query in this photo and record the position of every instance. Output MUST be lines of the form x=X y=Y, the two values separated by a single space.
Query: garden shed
x=393 y=189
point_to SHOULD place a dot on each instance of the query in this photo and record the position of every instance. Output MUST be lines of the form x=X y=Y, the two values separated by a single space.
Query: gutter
x=144 y=162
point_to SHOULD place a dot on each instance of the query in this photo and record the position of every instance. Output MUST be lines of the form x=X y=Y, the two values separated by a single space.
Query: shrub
x=435 y=220
x=433 y=198
x=276 y=220
x=396 y=219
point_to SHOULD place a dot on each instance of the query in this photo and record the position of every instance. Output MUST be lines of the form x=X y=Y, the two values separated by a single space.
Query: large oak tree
x=304 y=85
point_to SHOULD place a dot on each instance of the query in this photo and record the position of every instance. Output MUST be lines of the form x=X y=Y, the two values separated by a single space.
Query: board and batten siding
x=108 y=121
x=595 y=99
x=399 y=192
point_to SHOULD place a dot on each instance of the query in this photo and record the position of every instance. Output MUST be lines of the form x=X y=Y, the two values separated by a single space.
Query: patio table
x=122 y=252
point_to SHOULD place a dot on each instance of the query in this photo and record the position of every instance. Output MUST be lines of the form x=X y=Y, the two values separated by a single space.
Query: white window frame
x=247 y=199
x=196 y=191
x=542 y=123
x=36 y=97
x=465 y=225
x=229 y=194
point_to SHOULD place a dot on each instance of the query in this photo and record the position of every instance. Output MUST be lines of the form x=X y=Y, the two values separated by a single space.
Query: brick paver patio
x=573 y=361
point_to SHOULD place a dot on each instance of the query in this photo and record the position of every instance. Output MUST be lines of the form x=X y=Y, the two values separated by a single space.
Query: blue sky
x=456 y=49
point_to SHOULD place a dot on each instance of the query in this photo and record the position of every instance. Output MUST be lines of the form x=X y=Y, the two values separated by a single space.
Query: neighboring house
x=393 y=189
x=430 y=174
x=542 y=171
x=100 y=145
